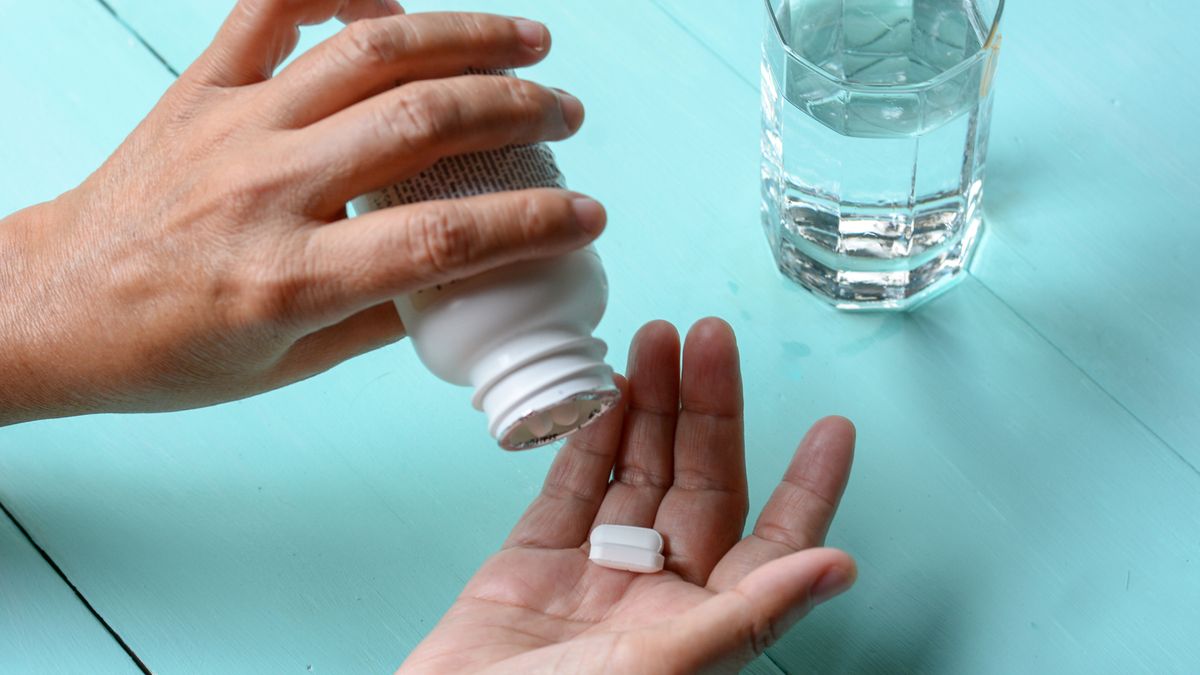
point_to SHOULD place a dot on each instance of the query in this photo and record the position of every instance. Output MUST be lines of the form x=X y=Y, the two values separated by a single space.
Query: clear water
x=873 y=164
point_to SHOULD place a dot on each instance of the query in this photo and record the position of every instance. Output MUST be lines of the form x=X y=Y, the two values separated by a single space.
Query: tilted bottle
x=521 y=335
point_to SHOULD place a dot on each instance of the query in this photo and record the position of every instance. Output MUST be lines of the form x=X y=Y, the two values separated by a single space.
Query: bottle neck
x=543 y=388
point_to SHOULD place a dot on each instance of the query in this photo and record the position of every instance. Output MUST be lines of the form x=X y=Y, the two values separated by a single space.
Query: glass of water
x=875 y=127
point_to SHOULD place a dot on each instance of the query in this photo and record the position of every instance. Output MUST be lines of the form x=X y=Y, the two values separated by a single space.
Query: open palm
x=676 y=459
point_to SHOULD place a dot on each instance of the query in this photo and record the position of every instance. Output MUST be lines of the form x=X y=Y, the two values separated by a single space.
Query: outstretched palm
x=676 y=460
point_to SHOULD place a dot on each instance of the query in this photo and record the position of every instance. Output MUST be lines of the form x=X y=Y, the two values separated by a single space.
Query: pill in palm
x=624 y=547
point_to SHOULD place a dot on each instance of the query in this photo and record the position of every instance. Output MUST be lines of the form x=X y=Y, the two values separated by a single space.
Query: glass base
x=851 y=285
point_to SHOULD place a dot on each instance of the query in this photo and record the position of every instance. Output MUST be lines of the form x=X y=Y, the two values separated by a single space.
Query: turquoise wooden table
x=1025 y=498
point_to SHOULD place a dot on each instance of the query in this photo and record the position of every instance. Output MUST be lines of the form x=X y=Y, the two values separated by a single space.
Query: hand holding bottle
x=210 y=258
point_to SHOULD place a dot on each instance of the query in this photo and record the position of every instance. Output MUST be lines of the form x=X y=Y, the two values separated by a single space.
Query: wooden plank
x=44 y=628
x=75 y=84
x=1008 y=515
x=1093 y=169
x=179 y=31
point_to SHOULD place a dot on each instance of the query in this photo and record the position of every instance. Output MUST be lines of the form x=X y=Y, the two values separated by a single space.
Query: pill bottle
x=520 y=335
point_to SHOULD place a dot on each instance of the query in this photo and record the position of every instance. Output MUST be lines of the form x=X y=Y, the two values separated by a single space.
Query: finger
x=358 y=11
x=397 y=134
x=561 y=516
x=368 y=57
x=734 y=627
x=356 y=263
x=799 y=512
x=259 y=34
x=642 y=473
x=319 y=351
x=703 y=513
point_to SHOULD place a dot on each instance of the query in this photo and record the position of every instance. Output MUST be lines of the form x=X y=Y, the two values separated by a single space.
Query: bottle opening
x=563 y=418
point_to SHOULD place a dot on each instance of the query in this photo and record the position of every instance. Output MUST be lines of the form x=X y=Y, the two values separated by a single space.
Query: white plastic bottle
x=520 y=335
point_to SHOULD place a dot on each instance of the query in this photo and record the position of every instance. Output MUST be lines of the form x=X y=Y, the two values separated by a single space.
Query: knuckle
x=232 y=194
x=267 y=298
x=642 y=477
x=804 y=492
x=265 y=290
x=756 y=630
x=439 y=243
x=742 y=506
x=242 y=191
x=270 y=9
x=479 y=29
x=533 y=103
x=372 y=43
x=203 y=137
x=700 y=480
x=762 y=636
x=538 y=220
x=561 y=491
x=418 y=114
x=260 y=7
x=781 y=534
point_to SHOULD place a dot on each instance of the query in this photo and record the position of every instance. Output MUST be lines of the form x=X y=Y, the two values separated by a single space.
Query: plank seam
x=138 y=36
x=718 y=55
x=1087 y=375
x=766 y=655
x=61 y=575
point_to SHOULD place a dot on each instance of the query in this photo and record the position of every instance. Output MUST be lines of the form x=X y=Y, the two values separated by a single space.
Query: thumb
x=734 y=627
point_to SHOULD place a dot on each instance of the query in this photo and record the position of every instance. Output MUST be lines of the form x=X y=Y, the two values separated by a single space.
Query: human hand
x=675 y=454
x=210 y=258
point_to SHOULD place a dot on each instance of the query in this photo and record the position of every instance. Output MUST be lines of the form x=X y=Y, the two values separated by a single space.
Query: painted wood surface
x=1013 y=508
x=73 y=85
x=44 y=627
x=1093 y=171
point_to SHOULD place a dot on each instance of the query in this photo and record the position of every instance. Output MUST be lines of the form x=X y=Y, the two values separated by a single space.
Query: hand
x=675 y=453
x=210 y=258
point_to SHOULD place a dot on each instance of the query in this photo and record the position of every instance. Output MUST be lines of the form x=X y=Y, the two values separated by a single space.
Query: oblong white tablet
x=624 y=547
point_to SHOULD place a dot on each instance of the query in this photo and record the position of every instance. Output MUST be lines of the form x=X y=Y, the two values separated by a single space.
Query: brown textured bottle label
x=512 y=168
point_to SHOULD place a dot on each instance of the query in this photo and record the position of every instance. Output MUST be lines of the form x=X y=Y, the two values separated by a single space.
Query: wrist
x=28 y=387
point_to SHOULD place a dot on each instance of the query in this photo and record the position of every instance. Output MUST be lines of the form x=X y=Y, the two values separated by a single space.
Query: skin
x=210 y=258
x=672 y=458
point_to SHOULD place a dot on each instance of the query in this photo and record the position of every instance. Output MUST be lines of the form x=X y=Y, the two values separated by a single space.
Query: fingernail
x=589 y=214
x=572 y=109
x=392 y=6
x=532 y=33
x=835 y=581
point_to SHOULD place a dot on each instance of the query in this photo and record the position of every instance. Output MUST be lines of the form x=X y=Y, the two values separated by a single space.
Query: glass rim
x=985 y=51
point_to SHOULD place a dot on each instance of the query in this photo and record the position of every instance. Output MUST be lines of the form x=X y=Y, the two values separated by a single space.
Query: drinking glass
x=874 y=139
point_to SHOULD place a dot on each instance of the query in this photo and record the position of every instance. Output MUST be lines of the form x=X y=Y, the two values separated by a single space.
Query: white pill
x=540 y=425
x=565 y=414
x=624 y=547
